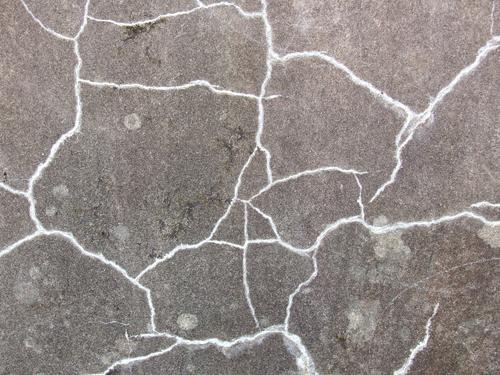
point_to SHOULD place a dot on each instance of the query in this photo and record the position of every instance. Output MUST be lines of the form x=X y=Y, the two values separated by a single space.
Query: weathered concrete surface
x=249 y=187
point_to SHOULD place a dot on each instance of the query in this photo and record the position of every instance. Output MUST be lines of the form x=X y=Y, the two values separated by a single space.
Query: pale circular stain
x=132 y=121
x=26 y=293
x=187 y=322
x=490 y=235
x=60 y=191
x=120 y=232
x=50 y=211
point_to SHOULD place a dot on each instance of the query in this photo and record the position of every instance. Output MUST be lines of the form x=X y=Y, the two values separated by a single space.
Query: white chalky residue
x=26 y=293
x=50 y=211
x=132 y=121
x=120 y=232
x=490 y=235
x=187 y=322
x=60 y=191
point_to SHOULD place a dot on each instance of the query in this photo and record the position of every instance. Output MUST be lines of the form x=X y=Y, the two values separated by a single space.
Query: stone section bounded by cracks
x=367 y=309
x=254 y=176
x=259 y=227
x=266 y=355
x=37 y=98
x=321 y=119
x=453 y=160
x=63 y=16
x=137 y=10
x=273 y=274
x=199 y=293
x=231 y=229
x=15 y=222
x=62 y=312
x=217 y=45
x=407 y=49
x=147 y=173
x=302 y=207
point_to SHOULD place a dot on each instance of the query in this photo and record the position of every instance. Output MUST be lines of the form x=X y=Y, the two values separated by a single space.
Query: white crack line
x=177 y=14
x=485 y=204
x=393 y=103
x=413 y=121
x=209 y=239
x=308 y=172
x=29 y=194
x=11 y=190
x=304 y=360
x=246 y=287
x=196 y=83
x=419 y=347
x=297 y=290
x=47 y=29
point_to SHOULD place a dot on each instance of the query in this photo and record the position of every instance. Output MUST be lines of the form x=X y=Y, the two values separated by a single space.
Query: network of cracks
x=233 y=188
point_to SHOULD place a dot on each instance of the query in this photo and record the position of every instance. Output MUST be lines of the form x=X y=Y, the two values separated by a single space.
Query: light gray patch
x=50 y=211
x=132 y=121
x=187 y=322
x=60 y=191
x=362 y=320
x=120 y=232
x=26 y=293
x=490 y=235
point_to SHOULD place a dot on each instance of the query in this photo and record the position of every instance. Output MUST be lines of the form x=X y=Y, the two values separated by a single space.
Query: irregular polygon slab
x=63 y=312
x=15 y=222
x=368 y=307
x=217 y=45
x=199 y=293
x=453 y=160
x=258 y=226
x=254 y=177
x=409 y=50
x=64 y=17
x=273 y=274
x=136 y=10
x=302 y=207
x=37 y=95
x=266 y=355
x=321 y=118
x=149 y=170
x=232 y=228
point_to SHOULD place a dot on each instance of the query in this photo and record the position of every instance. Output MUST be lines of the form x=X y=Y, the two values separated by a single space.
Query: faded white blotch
x=187 y=322
x=60 y=191
x=132 y=121
x=50 y=211
x=26 y=293
x=490 y=235
x=120 y=232
x=362 y=318
x=389 y=245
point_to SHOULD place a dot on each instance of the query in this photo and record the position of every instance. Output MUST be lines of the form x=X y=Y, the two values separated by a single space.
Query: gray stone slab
x=303 y=207
x=227 y=50
x=62 y=312
x=199 y=293
x=373 y=296
x=153 y=178
x=267 y=355
x=15 y=222
x=409 y=50
x=37 y=93
x=453 y=160
x=274 y=273
x=322 y=118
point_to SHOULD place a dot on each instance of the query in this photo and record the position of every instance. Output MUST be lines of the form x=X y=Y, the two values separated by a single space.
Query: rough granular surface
x=259 y=187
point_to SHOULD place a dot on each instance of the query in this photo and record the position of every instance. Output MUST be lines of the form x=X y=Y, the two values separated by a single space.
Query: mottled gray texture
x=263 y=187
x=135 y=193
x=57 y=309
x=37 y=93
